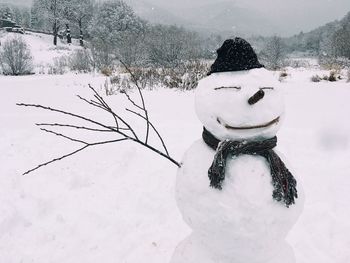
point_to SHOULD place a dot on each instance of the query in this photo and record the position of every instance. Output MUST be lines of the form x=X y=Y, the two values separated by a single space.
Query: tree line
x=113 y=31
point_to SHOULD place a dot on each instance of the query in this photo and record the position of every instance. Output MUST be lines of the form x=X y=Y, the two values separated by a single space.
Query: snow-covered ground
x=115 y=203
x=109 y=204
x=44 y=53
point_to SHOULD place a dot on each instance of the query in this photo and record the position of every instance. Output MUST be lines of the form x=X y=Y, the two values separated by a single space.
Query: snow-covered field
x=42 y=50
x=115 y=203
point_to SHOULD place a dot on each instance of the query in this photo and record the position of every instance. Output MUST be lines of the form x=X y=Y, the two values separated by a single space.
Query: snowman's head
x=239 y=99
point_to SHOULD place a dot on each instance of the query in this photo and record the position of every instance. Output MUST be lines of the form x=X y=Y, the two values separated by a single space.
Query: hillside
x=45 y=54
x=230 y=18
x=155 y=14
x=314 y=40
x=244 y=17
x=224 y=17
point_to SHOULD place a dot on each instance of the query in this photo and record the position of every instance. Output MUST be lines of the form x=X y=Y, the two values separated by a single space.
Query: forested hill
x=322 y=38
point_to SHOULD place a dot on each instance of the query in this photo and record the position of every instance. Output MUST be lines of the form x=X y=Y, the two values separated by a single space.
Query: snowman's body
x=241 y=223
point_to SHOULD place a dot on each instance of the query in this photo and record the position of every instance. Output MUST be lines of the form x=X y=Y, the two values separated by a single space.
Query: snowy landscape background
x=115 y=203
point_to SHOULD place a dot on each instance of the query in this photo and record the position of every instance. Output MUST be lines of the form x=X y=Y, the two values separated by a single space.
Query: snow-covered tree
x=169 y=45
x=341 y=39
x=111 y=29
x=79 y=13
x=18 y=14
x=38 y=18
x=54 y=9
x=274 y=53
x=15 y=57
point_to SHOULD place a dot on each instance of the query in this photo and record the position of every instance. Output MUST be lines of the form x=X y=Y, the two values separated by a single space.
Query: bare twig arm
x=154 y=128
x=141 y=97
x=107 y=108
x=126 y=133
x=56 y=159
x=158 y=152
x=64 y=136
x=65 y=113
x=73 y=126
x=72 y=153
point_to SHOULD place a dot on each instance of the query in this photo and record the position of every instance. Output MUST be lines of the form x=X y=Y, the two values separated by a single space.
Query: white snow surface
x=116 y=203
x=43 y=52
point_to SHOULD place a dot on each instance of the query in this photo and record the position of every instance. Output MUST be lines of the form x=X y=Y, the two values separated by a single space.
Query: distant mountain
x=315 y=40
x=222 y=17
x=155 y=14
x=229 y=17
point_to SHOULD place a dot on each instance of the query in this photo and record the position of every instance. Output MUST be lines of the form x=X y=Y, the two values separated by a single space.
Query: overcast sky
x=292 y=15
x=300 y=15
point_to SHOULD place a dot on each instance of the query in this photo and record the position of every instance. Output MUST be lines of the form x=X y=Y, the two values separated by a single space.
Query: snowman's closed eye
x=267 y=88
x=232 y=87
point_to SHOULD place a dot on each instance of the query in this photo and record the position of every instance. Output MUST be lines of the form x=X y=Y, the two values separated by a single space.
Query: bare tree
x=54 y=9
x=113 y=28
x=168 y=46
x=15 y=57
x=121 y=128
x=273 y=55
x=79 y=12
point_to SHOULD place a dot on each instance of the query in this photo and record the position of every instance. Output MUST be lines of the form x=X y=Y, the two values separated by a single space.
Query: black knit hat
x=234 y=55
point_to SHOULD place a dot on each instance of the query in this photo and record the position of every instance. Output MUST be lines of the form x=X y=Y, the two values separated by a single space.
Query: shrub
x=15 y=57
x=332 y=76
x=184 y=77
x=81 y=61
x=59 y=66
x=298 y=63
x=273 y=55
x=283 y=74
x=118 y=83
x=349 y=75
x=316 y=78
x=331 y=62
x=106 y=71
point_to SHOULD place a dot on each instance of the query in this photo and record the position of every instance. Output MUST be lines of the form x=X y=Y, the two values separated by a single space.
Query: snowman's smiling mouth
x=264 y=125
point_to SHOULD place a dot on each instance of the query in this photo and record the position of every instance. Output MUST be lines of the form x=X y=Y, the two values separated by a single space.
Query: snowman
x=233 y=189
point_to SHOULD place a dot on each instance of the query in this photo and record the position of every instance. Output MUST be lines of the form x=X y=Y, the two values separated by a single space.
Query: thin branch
x=64 y=136
x=98 y=96
x=56 y=159
x=106 y=142
x=71 y=153
x=73 y=126
x=158 y=152
x=98 y=105
x=152 y=126
x=108 y=109
x=142 y=99
x=91 y=102
x=131 y=100
x=73 y=115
